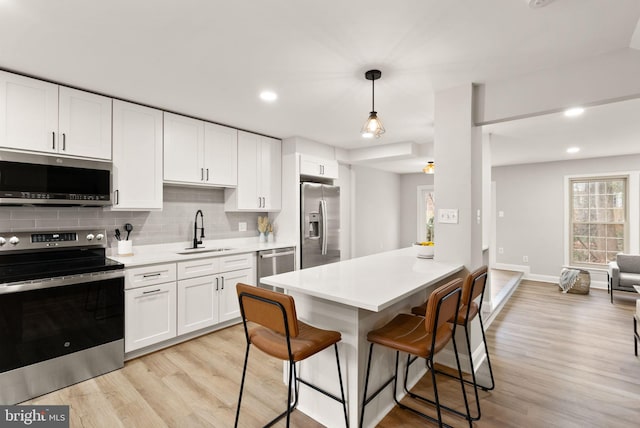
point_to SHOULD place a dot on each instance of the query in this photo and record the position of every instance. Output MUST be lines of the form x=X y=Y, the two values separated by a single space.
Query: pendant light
x=373 y=126
x=429 y=168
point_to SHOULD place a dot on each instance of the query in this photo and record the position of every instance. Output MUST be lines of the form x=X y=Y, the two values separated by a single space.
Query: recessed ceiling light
x=573 y=111
x=268 y=96
x=573 y=149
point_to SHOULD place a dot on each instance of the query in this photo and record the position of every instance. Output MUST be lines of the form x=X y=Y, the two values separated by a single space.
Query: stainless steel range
x=61 y=311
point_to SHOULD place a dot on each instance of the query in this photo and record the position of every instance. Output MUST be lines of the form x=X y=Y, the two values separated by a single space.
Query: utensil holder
x=125 y=248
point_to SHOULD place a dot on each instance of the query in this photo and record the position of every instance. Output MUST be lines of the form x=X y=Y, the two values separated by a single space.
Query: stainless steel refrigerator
x=320 y=228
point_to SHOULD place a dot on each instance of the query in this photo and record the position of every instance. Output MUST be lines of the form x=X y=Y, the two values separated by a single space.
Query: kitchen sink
x=202 y=250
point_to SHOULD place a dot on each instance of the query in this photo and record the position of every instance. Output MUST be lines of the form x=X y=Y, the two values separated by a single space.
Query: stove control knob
x=90 y=237
x=14 y=240
x=99 y=236
x=2 y=241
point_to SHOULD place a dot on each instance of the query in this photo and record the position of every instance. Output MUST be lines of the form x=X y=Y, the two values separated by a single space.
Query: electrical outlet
x=525 y=259
x=242 y=226
x=500 y=213
x=500 y=250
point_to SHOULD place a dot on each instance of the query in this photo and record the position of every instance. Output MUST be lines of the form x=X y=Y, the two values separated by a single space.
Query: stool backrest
x=268 y=308
x=443 y=305
x=474 y=285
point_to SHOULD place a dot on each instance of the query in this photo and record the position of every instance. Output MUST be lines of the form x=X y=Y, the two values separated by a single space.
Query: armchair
x=623 y=273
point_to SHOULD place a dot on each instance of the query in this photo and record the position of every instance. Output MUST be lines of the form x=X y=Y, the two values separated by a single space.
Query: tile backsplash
x=173 y=224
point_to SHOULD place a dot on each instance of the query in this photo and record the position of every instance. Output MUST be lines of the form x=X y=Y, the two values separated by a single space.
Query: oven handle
x=39 y=284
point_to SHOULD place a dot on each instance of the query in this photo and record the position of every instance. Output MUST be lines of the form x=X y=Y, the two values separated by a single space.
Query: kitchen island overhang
x=356 y=296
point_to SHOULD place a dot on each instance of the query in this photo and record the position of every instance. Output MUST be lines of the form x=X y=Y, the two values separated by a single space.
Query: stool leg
x=464 y=393
x=473 y=374
x=244 y=372
x=486 y=350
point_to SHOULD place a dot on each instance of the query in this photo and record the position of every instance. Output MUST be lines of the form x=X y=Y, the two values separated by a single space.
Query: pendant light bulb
x=373 y=126
x=429 y=168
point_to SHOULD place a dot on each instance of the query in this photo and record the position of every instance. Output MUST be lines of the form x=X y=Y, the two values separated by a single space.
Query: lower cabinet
x=167 y=300
x=150 y=315
x=209 y=300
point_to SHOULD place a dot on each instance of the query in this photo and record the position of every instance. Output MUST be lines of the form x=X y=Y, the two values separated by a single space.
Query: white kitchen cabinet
x=137 y=157
x=207 y=289
x=259 y=175
x=197 y=303
x=198 y=152
x=150 y=315
x=43 y=117
x=229 y=307
x=317 y=167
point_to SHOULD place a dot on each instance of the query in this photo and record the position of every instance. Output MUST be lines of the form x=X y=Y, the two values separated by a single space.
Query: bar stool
x=420 y=337
x=281 y=335
x=474 y=285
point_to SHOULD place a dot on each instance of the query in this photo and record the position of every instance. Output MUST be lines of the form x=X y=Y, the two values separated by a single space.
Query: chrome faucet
x=197 y=241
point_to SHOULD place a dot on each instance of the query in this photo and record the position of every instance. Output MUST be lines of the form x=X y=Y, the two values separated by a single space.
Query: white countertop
x=168 y=253
x=372 y=282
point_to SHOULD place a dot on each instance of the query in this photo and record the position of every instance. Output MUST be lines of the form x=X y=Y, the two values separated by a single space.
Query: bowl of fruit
x=424 y=249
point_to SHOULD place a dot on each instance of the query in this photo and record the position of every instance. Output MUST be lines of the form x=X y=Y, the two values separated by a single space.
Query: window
x=598 y=219
x=426 y=213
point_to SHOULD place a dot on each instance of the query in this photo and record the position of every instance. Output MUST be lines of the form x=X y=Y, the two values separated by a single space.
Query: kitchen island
x=354 y=297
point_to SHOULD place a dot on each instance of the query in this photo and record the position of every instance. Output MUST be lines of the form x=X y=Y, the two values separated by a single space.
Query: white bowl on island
x=424 y=250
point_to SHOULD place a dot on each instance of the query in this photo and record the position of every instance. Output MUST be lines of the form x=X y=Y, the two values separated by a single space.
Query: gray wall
x=409 y=205
x=532 y=199
x=376 y=220
x=173 y=224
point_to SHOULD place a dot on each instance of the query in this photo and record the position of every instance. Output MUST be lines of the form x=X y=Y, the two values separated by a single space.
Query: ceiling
x=211 y=58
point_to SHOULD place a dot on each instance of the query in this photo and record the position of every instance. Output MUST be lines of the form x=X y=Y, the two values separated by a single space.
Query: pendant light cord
x=373 y=95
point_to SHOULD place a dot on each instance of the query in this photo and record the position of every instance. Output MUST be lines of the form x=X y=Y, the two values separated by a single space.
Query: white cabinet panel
x=150 y=315
x=228 y=297
x=84 y=125
x=236 y=262
x=198 y=267
x=220 y=155
x=43 y=117
x=197 y=303
x=28 y=113
x=317 y=167
x=183 y=148
x=149 y=275
x=137 y=157
x=259 y=175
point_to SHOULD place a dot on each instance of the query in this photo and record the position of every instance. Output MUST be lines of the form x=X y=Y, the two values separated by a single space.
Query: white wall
x=376 y=225
x=532 y=198
x=409 y=205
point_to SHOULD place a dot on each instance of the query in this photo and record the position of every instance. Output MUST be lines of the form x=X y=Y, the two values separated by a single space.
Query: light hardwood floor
x=560 y=360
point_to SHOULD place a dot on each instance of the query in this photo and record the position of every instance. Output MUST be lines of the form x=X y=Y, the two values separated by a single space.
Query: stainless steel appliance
x=27 y=179
x=61 y=311
x=320 y=228
x=273 y=262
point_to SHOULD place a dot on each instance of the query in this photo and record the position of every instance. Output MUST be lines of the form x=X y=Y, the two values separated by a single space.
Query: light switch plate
x=448 y=215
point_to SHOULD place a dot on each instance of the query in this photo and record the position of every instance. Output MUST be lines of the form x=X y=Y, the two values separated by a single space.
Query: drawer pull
x=151 y=275
x=151 y=291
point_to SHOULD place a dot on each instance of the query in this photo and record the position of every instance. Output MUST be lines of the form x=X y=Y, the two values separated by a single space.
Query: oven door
x=52 y=318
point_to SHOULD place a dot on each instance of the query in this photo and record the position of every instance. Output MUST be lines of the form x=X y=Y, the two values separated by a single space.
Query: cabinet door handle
x=223 y=282
x=201 y=174
x=207 y=174
x=217 y=279
x=53 y=134
x=64 y=141
x=151 y=291
x=116 y=196
x=151 y=275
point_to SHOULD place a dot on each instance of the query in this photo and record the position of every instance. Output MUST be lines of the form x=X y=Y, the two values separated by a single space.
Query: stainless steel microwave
x=27 y=179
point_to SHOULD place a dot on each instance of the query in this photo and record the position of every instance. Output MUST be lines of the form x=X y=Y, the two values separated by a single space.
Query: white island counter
x=354 y=297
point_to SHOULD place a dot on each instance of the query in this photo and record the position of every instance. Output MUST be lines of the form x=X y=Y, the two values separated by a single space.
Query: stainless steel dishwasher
x=273 y=262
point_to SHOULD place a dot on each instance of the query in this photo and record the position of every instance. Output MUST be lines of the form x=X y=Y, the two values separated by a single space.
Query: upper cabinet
x=259 y=175
x=198 y=152
x=43 y=117
x=317 y=167
x=137 y=157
